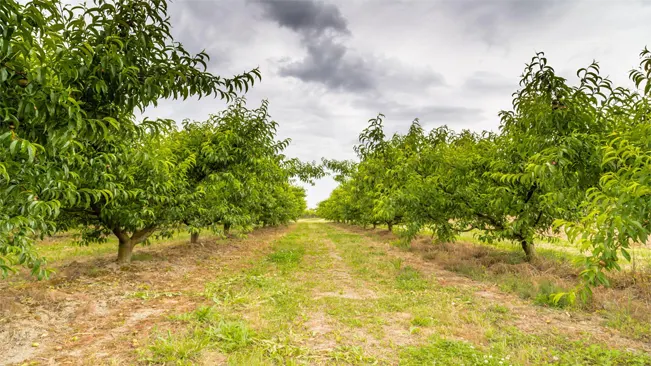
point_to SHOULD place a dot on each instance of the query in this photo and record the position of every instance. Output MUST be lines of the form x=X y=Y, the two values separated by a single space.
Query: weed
x=148 y=295
x=517 y=284
x=203 y=314
x=580 y=353
x=440 y=351
x=624 y=322
x=396 y=263
x=558 y=350
x=410 y=279
x=466 y=269
x=287 y=256
x=422 y=321
x=228 y=290
x=545 y=295
x=231 y=336
x=174 y=350
x=142 y=256
x=95 y=271
x=281 y=350
x=377 y=310
x=350 y=355
x=499 y=309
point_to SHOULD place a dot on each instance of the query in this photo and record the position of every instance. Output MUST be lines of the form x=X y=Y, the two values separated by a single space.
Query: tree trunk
x=227 y=228
x=390 y=225
x=374 y=226
x=528 y=250
x=125 y=250
x=194 y=238
x=126 y=243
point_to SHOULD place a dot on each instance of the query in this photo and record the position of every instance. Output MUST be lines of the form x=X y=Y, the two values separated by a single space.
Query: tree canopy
x=71 y=78
x=573 y=157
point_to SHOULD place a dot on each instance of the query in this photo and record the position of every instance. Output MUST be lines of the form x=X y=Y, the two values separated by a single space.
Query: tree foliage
x=70 y=80
x=240 y=176
x=617 y=210
x=566 y=156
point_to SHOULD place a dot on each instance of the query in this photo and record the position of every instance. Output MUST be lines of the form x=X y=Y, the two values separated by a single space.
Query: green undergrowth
x=65 y=246
x=556 y=249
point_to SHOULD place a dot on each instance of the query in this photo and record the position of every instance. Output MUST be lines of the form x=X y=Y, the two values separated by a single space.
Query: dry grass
x=92 y=311
x=626 y=305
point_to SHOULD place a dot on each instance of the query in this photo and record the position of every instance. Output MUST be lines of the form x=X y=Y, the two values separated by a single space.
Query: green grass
x=322 y=295
x=544 y=349
x=64 y=248
x=269 y=289
x=148 y=295
x=554 y=271
x=422 y=321
x=142 y=257
x=448 y=352
x=286 y=256
x=350 y=355
x=557 y=249
x=622 y=320
x=169 y=349
x=231 y=335
x=410 y=279
x=538 y=351
x=560 y=250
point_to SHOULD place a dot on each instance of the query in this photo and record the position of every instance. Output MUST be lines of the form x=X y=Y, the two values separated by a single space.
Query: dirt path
x=93 y=312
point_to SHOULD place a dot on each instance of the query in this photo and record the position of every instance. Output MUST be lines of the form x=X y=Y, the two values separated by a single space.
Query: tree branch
x=122 y=236
x=139 y=236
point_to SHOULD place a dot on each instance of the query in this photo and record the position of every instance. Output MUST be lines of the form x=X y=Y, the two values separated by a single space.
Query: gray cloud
x=209 y=25
x=322 y=28
x=305 y=16
x=329 y=63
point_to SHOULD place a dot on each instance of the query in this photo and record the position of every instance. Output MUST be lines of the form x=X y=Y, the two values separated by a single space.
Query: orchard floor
x=311 y=293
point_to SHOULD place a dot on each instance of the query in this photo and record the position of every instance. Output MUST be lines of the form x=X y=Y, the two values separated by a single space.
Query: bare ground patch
x=320 y=332
x=339 y=274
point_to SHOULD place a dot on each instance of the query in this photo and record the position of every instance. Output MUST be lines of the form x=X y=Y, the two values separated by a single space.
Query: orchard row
x=73 y=157
x=572 y=158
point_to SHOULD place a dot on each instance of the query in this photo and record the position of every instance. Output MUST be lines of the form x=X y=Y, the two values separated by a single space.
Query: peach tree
x=240 y=175
x=617 y=213
x=71 y=78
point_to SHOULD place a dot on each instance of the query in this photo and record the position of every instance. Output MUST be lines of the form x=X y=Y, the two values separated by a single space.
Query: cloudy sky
x=329 y=66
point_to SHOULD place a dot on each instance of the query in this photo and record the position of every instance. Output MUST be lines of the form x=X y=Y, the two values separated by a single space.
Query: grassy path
x=326 y=295
x=321 y=294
